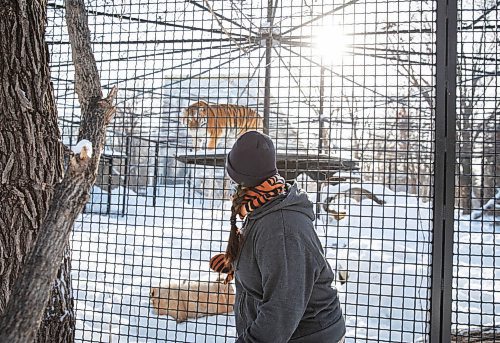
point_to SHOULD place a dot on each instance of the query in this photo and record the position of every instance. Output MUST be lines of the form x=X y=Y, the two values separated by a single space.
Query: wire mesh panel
x=345 y=90
x=476 y=306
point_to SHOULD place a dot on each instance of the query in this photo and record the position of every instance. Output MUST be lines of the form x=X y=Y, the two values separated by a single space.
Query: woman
x=283 y=282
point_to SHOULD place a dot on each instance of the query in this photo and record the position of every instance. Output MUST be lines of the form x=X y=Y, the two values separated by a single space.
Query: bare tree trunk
x=465 y=185
x=30 y=155
x=37 y=202
x=491 y=167
x=58 y=322
x=466 y=146
x=465 y=160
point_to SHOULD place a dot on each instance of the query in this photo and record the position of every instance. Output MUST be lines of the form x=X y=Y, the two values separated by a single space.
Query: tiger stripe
x=257 y=196
x=218 y=263
x=217 y=118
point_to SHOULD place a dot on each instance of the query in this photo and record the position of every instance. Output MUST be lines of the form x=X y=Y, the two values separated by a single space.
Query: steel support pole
x=321 y=110
x=267 y=80
x=444 y=171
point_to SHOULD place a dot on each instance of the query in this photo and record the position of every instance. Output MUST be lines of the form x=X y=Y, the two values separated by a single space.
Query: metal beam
x=267 y=78
x=444 y=171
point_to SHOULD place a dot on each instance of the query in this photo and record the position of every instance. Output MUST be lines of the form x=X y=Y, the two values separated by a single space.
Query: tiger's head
x=195 y=115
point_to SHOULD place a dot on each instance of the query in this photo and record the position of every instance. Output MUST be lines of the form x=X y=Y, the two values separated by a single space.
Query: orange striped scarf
x=257 y=196
x=253 y=198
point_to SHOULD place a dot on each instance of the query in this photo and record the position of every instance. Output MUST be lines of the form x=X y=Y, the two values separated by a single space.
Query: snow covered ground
x=384 y=248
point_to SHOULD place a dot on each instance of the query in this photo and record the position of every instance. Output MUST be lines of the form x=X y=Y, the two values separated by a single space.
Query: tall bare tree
x=477 y=108
x=477 y=159
x=31 y=156
x=40 y=201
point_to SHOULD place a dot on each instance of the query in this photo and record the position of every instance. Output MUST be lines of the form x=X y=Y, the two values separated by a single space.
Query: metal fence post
x=444 y=171
x=155 y=172
x=126 y=173
x=110 y=180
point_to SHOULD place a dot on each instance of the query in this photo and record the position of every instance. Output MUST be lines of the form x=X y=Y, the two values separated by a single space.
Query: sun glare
x=330 y=42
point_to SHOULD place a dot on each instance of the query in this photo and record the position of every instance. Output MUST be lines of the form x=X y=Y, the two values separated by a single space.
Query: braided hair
x=234 y=242
x=223 y=263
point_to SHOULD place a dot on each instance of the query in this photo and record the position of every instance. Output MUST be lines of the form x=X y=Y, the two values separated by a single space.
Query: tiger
x=212 y=121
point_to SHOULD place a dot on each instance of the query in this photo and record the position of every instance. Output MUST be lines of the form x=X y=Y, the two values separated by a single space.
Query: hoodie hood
x=294 y=199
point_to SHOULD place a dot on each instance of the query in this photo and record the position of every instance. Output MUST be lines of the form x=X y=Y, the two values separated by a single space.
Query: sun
x=330 y=42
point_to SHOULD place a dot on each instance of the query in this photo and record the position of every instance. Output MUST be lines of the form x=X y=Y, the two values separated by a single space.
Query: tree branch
x=30 y=292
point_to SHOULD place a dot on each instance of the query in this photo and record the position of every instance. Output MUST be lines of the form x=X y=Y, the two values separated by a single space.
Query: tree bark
x=58 y=321
x=32 y=164
x=30 y=154
x=465 y=146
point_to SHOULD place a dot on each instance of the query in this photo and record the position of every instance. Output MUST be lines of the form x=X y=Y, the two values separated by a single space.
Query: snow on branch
x=83 y=148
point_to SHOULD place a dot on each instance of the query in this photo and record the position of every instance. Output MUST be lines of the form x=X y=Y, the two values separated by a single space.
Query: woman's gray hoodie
x=283 y=282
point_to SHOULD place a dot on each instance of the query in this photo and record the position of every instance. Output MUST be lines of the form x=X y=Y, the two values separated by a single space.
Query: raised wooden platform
x=290 y=164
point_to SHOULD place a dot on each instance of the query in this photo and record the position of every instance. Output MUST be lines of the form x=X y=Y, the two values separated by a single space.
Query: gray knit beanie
x=252 y=159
